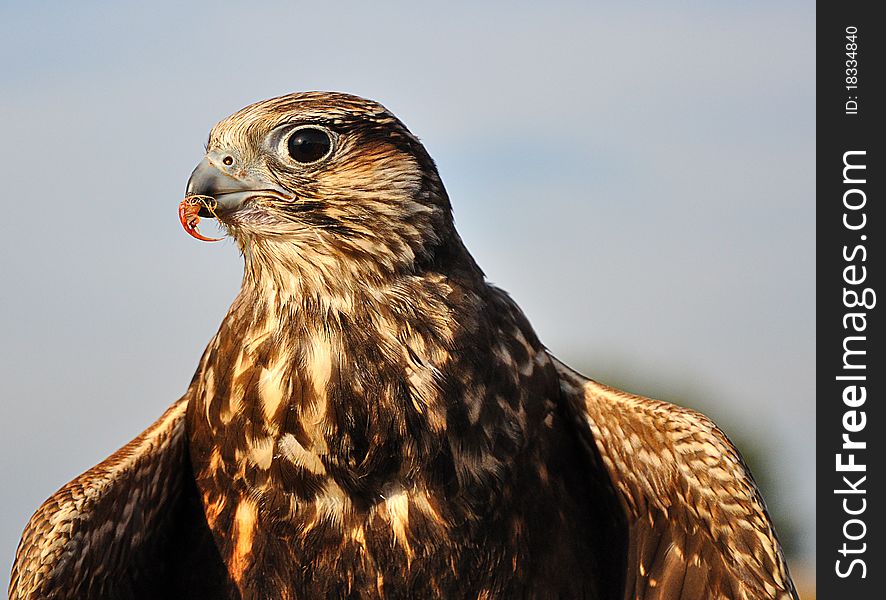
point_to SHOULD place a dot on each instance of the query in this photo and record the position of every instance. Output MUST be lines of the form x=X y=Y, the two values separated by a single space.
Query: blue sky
x=640 y=177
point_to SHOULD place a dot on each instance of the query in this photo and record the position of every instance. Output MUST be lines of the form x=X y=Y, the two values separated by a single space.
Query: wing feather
x=122 y=529
x=697 y=526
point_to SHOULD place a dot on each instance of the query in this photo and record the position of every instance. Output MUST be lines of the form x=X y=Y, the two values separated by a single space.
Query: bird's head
x=324 y=186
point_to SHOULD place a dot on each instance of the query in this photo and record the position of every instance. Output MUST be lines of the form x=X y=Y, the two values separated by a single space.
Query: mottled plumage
x=374 y=420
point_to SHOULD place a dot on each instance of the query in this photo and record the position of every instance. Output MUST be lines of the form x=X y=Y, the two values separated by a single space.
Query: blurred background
x=639 y=175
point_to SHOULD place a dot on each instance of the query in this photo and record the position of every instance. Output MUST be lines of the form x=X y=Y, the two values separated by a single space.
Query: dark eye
x=309 y=145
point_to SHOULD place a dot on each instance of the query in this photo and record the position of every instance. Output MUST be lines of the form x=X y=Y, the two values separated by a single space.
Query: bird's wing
x=110 y=532
x=697 y=526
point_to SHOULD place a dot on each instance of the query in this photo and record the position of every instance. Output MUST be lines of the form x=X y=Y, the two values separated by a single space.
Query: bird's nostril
x=228 y=160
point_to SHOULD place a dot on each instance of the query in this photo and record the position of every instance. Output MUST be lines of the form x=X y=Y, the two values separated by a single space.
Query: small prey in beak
x=189 y=214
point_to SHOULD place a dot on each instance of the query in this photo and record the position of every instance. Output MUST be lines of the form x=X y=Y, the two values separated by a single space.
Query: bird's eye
x=309 y=144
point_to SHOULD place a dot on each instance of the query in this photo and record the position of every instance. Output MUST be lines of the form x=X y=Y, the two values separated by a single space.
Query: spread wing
x=127 y=528
x=697 y=526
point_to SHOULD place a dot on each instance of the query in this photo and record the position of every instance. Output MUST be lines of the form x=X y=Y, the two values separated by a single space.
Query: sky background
x=638 y=175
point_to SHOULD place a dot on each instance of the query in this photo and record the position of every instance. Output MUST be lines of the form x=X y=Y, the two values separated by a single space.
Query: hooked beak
x=229 y=192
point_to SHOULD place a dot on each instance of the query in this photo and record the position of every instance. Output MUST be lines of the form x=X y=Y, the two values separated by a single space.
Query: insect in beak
x=189 y=215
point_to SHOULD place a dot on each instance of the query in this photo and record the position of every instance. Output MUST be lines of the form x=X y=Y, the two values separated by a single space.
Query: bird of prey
x=373 y=419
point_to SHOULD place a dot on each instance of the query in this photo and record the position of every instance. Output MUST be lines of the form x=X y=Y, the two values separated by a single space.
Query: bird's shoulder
x=697 y=524
x=91 y=534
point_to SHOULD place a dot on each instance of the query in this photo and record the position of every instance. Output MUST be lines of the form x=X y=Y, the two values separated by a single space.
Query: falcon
x=373 y=419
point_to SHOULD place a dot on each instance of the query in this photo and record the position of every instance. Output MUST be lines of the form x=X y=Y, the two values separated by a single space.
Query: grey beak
x=228 y=191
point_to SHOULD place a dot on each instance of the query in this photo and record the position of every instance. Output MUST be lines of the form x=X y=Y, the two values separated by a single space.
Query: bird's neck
x=362 y=382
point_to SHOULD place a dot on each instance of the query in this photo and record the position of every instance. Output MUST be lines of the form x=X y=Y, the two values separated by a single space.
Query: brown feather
x=697 y=525
x=130 y=527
